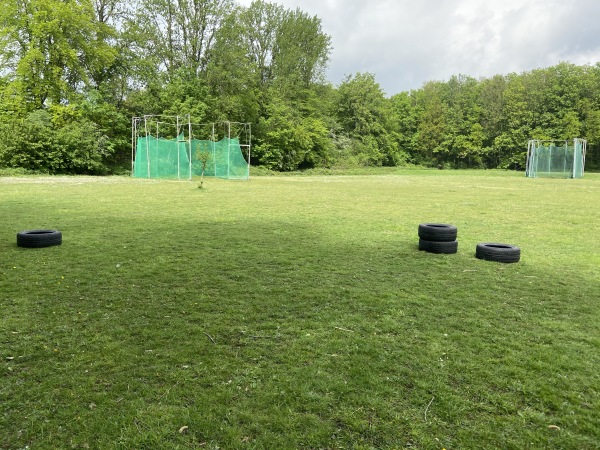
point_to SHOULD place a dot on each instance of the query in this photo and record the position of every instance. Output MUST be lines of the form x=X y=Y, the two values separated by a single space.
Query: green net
x=224 y=159
x=170 y=158
x=161 y=158
x=556 y=161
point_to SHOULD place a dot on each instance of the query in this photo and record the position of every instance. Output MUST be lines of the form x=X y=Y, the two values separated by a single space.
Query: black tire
x=438 y=232
x=39 y=238
x=492 y=251
x=438 y=247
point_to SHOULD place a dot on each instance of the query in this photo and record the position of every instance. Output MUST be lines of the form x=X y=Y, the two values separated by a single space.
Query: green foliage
x=203 y=156
x=39 y=143
x=98 y=63
x=290 y=141
x=55 y=47
x=230 y=79
x=300 y=50
x=364 y=115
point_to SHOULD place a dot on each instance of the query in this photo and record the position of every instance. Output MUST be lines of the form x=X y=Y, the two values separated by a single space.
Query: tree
x=260 y=24
x=53 y=48
x=301 y=51
x=57 y=54
x=203 y=156
x=431 y=131
x=363 y=113
x=510 y=147
x=404 y=120
x=177 y=34
x=232 y=70
x=491 y=104
x=268 y=63
x=289 y=141
x=462 y=134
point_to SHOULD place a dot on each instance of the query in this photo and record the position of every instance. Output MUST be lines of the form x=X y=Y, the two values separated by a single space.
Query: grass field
x=297 y=312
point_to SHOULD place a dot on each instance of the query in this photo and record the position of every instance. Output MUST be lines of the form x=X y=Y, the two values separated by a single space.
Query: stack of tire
x=438 y=238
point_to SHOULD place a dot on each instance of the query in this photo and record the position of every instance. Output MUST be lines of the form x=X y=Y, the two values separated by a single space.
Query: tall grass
x=297 y=312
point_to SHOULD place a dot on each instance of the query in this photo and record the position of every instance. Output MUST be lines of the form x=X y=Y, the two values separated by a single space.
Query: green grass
x=297 y=312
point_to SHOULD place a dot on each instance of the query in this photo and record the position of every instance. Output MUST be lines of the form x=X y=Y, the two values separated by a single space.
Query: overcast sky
x=408 y=42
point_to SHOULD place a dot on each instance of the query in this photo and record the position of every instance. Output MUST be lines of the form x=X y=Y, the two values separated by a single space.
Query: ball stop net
x=172 y=150
x=556 y=159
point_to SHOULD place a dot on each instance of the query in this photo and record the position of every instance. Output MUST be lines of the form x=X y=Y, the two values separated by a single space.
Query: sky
x=406 y=43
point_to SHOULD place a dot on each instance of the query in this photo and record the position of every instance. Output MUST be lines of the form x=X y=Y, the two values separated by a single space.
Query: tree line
x=74 y=72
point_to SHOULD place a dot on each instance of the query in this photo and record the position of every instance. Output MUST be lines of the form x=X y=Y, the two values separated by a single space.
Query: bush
x=36 y=144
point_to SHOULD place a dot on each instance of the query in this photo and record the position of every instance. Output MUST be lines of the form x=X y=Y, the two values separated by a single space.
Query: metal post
x=528 y=163
x=535 y=157
x=147 y=144
x=177 y=140
x=228 y=146
x=583 y=151
x=249 y=146
x=213 y=144
x=133 y=143
x=565 y=157
x=190 y=144
x=576 y=145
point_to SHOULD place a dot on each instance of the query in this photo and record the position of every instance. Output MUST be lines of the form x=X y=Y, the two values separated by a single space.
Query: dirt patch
x=74 y=180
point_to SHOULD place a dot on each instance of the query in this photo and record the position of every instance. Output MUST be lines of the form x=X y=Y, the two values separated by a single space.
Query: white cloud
x=406 y=43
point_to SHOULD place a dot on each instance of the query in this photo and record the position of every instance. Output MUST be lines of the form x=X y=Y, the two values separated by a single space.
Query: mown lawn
x=297 y=312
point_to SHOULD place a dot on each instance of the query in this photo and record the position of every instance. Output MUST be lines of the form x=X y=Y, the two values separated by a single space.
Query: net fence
x=547 y=159
x=180 y=158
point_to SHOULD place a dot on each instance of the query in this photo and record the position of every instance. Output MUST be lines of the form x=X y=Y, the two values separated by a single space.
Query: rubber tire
x=438 y=247
x=437 y=232
x=39 y=238
x=492 y=251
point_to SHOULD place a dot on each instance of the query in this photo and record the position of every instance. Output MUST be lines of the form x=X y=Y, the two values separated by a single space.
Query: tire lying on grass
x=492 y=251
x=437 y=232
x=39 y=238
x=438 y=247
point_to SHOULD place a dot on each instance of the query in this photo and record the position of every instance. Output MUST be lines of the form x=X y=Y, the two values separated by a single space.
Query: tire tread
x=440 y=247
x=438 y=232
x=492 y=251
x=39 y=238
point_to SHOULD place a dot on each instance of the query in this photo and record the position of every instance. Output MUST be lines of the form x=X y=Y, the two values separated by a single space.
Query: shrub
x=36 y=144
